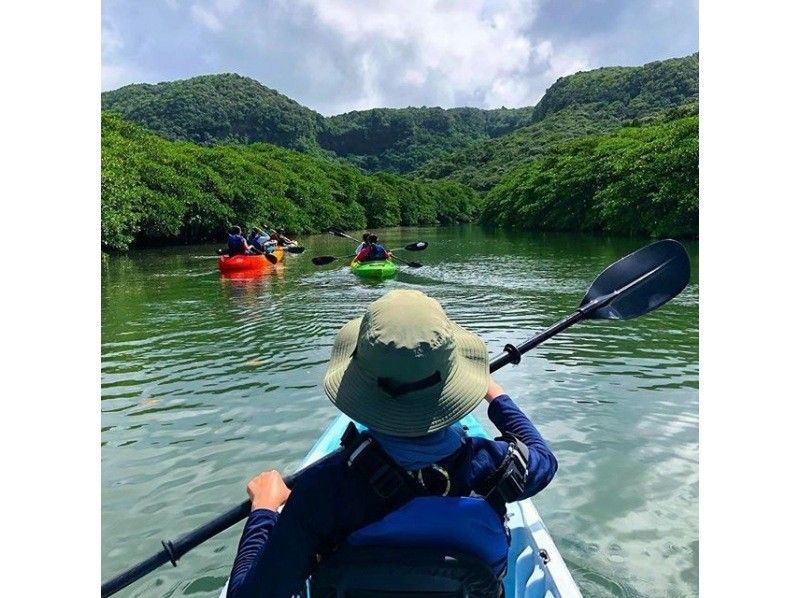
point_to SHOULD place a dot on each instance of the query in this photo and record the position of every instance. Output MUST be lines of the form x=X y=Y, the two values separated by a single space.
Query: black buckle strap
x=389 y=483
x=507 y=484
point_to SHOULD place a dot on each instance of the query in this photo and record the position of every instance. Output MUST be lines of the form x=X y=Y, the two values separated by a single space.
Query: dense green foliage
x=157 y=190
x=638 y=180
x=400 y=140
x=565 y=164
x=216 y=108
x=233 y=109
x=469 y=145
x=598 y=101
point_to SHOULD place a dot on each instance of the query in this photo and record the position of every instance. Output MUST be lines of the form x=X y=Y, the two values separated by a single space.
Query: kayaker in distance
x=364 y=243
x=255 y=239
x=278 y=235
x=408 y=374
x=374 y=251
x=237 y=244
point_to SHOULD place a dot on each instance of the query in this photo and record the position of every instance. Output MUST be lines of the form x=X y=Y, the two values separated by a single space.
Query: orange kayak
x=247 y=263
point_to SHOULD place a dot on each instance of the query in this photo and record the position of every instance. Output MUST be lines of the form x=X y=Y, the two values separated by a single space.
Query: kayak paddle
x=270 y=258
x=418 y=246
x=410 y=264
x=340 y=233
x=322 y=260
x=630 y=287
x=172 y=551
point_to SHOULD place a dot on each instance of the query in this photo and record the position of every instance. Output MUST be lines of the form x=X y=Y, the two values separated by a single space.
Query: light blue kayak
x=535 y=567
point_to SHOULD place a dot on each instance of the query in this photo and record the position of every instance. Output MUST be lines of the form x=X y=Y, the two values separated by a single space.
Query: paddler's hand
x=267 y=491
x=495 y=390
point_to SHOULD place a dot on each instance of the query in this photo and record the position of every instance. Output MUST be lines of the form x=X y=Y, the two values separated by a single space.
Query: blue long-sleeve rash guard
x=278 y=552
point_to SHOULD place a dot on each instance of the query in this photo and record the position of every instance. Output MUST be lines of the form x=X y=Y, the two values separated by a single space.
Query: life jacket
x=235 y=244
x=376 y=252
x=254 y=239
x=419 y=512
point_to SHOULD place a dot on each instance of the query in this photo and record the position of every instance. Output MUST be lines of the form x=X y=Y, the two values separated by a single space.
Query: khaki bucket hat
x=405 y=368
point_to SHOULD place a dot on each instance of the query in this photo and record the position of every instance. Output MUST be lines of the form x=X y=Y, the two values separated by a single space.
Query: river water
x=207 y=381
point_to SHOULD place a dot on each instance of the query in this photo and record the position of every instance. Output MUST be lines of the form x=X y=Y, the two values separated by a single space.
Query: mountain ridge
x=429 y=141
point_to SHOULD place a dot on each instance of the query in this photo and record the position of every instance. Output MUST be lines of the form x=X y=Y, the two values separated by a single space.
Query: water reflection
x=206 y=380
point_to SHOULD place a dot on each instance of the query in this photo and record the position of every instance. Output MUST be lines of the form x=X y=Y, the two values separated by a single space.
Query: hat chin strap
x=395 y=389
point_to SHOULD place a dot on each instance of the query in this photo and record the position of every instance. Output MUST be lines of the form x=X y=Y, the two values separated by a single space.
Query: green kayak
x=377 y=270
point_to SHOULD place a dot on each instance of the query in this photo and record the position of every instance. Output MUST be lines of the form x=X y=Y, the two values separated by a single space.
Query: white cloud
x=476 y=49
x=341 y=55
x=206 y=17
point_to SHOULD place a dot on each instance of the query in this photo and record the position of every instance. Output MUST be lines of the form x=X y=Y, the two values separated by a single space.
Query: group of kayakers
x=257 y=242
x=370 y=249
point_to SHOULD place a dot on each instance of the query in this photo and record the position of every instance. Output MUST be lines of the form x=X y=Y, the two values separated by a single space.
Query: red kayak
x=246 y=263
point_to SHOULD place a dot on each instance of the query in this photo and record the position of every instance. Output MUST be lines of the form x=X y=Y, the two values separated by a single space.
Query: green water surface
x=207 y=381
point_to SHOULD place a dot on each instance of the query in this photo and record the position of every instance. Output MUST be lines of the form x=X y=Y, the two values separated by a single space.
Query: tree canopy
x=613 y=149
x=637 y=181
x=469 y=145
x=157 y=190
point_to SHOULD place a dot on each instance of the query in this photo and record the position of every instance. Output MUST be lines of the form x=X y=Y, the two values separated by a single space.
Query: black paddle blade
x=640 y=282
x=271 y=258
x=339 y=233
x=322 y=260
x=413 y=264
x=295 y=249
x=418 y=246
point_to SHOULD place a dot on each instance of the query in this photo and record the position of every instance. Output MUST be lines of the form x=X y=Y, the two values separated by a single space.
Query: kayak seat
x=391 y=572
x=432 y=546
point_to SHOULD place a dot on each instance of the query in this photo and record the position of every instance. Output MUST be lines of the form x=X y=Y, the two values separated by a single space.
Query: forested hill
x=471 y=145
x=598 y=101
x=402 y=139
x=218 y=108
x=233 y=109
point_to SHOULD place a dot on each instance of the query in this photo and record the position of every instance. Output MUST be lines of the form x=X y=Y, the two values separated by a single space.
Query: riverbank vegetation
x=637 y=181
x=612 y=150
x=154 y=190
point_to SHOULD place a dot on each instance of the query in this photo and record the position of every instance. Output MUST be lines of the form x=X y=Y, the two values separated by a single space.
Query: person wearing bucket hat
x=407 y=374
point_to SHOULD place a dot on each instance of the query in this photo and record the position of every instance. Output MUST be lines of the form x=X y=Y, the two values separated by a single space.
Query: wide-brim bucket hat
x=405 y=368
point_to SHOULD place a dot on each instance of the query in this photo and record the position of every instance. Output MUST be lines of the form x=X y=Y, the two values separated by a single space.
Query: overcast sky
x=340 y=55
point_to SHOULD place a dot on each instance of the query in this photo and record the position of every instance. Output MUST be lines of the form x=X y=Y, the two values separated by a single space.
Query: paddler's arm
x=505 y=414
x=279 y=551
x=267 y=494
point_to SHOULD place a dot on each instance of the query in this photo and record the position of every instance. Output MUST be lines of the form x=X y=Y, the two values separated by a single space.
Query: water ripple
x=206 y=381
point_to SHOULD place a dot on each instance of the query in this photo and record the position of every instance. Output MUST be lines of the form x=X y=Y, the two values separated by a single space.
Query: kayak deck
x=535 y=566
x=375 y=270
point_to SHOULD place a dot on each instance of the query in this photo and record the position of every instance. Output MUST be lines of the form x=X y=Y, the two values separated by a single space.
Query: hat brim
x=356 y=393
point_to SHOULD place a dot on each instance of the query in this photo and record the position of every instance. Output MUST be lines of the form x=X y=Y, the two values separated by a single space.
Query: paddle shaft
x=513 y=354
x=402 y=261
x=173 y=551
